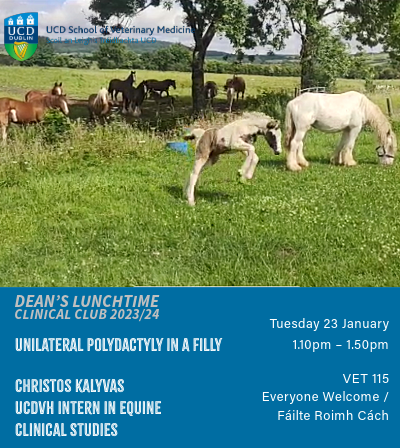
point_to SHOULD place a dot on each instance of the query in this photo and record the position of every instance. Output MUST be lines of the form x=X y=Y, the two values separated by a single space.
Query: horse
x=161 y=86
x=234 y=85
x=118 y=86
x=99 y=104
x=240 y=135
x=133 y=98
x=331 y=113
x=168 y=101
x=33 y=95
x=29 y=112
x=210 y=92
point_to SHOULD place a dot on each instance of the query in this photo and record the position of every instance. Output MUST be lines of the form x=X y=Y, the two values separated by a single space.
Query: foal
x=210 y=92
x=118 y=86
x=236 y=85
x=239 y=135
x=99 y=104
x=37 y=94
x=133 y=99
x=32 y=112
x=168 y=101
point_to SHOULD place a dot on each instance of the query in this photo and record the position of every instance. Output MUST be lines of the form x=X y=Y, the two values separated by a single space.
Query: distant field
x=104 y=206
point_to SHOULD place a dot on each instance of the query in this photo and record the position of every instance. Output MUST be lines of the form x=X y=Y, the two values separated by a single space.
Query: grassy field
x=104 y=207
x=16 y=81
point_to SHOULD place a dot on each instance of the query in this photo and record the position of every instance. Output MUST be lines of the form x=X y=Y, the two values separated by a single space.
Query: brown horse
x=133 y=99
x=99 y=104
x=234 y=85
x=28 y=112
x=33 y=95
x=118 y=86
x=160 y=86
x=210 y=92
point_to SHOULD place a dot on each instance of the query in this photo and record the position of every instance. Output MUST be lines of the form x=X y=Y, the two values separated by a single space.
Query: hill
x=148 y=47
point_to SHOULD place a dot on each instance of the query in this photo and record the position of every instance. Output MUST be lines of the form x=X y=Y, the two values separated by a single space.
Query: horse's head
x=273 y=136
x=228 y=83
x=172 y=83
x=133 y=75
x=60 y=102
x=57 y=89
x=387 y=152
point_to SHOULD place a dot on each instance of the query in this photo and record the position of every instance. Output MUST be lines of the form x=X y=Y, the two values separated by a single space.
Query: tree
x=115 y=55
x=206 y=18
x=44 y=54
x=273 y=21
x=176 y=57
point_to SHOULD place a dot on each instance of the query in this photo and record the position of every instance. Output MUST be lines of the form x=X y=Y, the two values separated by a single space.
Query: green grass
x=105 y=208
x=17 y=81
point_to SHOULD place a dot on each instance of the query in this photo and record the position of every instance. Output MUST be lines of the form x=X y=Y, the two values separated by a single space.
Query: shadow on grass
x=210 y=196
x=166 y=121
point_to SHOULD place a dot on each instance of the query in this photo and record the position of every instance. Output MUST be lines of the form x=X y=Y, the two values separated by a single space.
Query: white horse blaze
x=331 y=113
x=13 y=115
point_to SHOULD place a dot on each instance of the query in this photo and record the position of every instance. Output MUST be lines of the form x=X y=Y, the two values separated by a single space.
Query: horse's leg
x=125 y=105
x=194 y=176
x=249 y=166
x=231 y=104
x=253 y=164
x=337 y=156
x=3 y=132
x=301 y=160
x=297 y=140
x=352 y=135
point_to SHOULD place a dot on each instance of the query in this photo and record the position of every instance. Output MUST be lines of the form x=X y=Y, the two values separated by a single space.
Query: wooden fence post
x=389 y=106
x=296 y=92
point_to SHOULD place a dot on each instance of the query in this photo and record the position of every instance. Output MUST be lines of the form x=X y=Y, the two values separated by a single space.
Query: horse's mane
x=255 y=115
x=258 y=118
x=101 y=98
x=379 y=122
x=51 y=100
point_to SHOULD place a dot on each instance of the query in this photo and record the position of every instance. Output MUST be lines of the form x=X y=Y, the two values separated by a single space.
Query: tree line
x=321 y=26
x=177 y=57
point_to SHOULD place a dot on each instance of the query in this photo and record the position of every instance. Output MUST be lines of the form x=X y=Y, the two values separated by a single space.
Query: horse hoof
x=304 y=164
x=294 y=168
x=351 y=163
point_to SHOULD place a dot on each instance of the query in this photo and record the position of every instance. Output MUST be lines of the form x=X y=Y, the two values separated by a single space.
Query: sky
x=74 y=12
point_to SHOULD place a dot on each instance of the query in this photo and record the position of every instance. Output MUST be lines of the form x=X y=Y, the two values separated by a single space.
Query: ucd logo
x=21 y=35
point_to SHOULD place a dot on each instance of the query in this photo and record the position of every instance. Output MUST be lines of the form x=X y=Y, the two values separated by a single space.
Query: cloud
x=75 y=12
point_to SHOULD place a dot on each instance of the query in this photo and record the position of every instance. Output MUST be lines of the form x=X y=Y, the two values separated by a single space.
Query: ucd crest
x=21 y=35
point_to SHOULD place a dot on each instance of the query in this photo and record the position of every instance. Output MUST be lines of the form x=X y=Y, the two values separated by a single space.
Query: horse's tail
x=290 y=128
x=195 y=134
x=110 y=89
